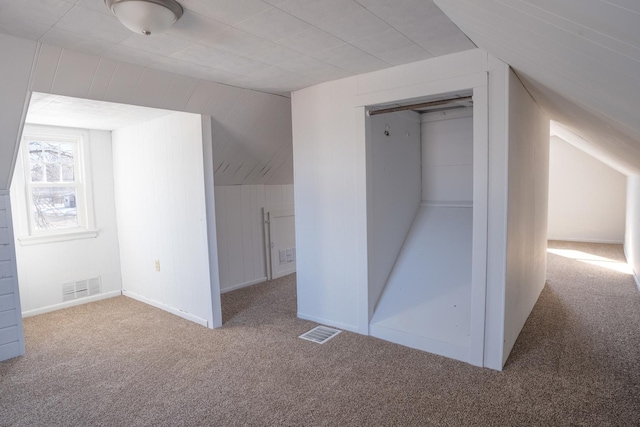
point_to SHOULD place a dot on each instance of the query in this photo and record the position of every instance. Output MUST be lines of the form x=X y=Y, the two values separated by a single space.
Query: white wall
x=15 y=71
x=331 y=183
x=527 y=209
x=632 y=235
x=160 y=209
x=586 y=197
x=239 y=224
x=260 y=122
x=447 y=157
x=394 y=170
x=44 y=267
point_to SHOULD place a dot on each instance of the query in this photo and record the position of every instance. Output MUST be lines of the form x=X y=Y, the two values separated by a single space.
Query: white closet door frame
x=271 y=250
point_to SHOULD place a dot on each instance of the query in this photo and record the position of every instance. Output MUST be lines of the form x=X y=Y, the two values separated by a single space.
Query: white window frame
x=82 y=184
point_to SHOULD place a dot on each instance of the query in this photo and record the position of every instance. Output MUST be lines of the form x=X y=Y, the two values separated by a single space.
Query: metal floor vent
x=320 y=334
x=81 y=288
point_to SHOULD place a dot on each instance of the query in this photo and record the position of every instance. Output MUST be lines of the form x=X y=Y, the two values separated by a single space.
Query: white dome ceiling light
x=146 y=16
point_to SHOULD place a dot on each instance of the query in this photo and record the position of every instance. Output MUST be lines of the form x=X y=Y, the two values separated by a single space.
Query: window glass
x=54 y=189
x=54 y=208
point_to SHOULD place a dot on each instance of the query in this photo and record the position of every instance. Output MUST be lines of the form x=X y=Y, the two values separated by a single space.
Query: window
x=56 y=190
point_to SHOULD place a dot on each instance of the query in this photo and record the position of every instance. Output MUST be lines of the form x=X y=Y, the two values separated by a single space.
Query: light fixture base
x=146 y=16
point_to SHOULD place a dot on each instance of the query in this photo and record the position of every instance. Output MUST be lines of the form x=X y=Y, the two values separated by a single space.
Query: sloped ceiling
x=267 y=160
x=580 y=60
x=273 y=46
x=56 y=110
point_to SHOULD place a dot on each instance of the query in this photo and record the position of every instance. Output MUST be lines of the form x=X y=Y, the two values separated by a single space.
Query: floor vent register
x=320 y=334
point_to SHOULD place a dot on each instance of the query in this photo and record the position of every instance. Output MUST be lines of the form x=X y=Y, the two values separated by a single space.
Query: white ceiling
x=56 y=110
x=274 y=46
x=580 y=60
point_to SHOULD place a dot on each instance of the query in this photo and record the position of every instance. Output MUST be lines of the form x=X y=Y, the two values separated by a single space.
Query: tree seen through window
x=53 y=184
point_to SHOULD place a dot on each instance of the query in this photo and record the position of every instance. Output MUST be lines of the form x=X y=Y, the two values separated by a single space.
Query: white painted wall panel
x=179 y=92
x=394 y=168
x=153 y=87
x=123 y=82
x=76 y=74
x=101 y=78
x=15 y=71
x=11 y=336
x=330 y=177
x=239 y=224
x=234 y=223
x=632 y=234
x=447 y=158
x=283 y=240
x=586 y=197
x=44 y=268
x=527 y=209
x=46 y=65
x=496 y=211
x=160 y=199
x=330 y=194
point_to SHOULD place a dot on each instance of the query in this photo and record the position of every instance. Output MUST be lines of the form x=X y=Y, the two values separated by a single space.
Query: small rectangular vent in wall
x=81 y=288
x=287 y=255
x=320 y=334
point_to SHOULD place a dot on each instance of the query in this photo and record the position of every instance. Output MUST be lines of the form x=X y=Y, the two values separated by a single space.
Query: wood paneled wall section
x=239 y=224
x=528 y=201
x=11 y=338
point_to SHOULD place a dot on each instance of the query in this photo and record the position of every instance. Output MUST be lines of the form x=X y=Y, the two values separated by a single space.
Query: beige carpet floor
x=118 y=362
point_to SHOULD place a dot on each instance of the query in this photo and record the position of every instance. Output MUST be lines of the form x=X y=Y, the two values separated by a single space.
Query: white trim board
x=634 y=273
x=580 y=240
x=243 y=285
x=284 y=273
x=440 y=348
x=73 y=303
x=157 y=304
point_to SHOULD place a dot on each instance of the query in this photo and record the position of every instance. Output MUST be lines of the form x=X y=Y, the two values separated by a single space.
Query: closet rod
x=422 y=105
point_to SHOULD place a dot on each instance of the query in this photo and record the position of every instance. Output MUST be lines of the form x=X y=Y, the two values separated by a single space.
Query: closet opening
x=422 y=179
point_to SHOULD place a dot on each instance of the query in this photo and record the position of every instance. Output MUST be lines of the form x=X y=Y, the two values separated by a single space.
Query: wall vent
x=320 y=334
x=81 y=289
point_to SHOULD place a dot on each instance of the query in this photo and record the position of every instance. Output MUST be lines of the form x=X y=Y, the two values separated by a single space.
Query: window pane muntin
x=62 y=156
x=48 y=154
x=67 y=152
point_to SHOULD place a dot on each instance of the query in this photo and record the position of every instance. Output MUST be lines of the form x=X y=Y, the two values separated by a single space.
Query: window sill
x=58 y=237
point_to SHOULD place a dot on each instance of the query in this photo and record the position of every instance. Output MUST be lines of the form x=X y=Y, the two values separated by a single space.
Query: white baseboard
x=440 y=348
x=634 y=273
x=636 y=277
x=73 y=303
x=243 y=285
x=167 y=308
x=585 y=240
x=284 y=273
x=326 y=322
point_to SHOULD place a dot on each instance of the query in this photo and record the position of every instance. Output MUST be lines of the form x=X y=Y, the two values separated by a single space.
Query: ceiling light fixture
x=146 y=16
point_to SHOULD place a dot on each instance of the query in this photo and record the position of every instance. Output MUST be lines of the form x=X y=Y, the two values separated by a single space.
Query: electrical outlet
x=157 y=265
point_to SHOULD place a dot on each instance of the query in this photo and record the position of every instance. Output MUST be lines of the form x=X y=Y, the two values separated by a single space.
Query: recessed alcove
x=421 y=217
